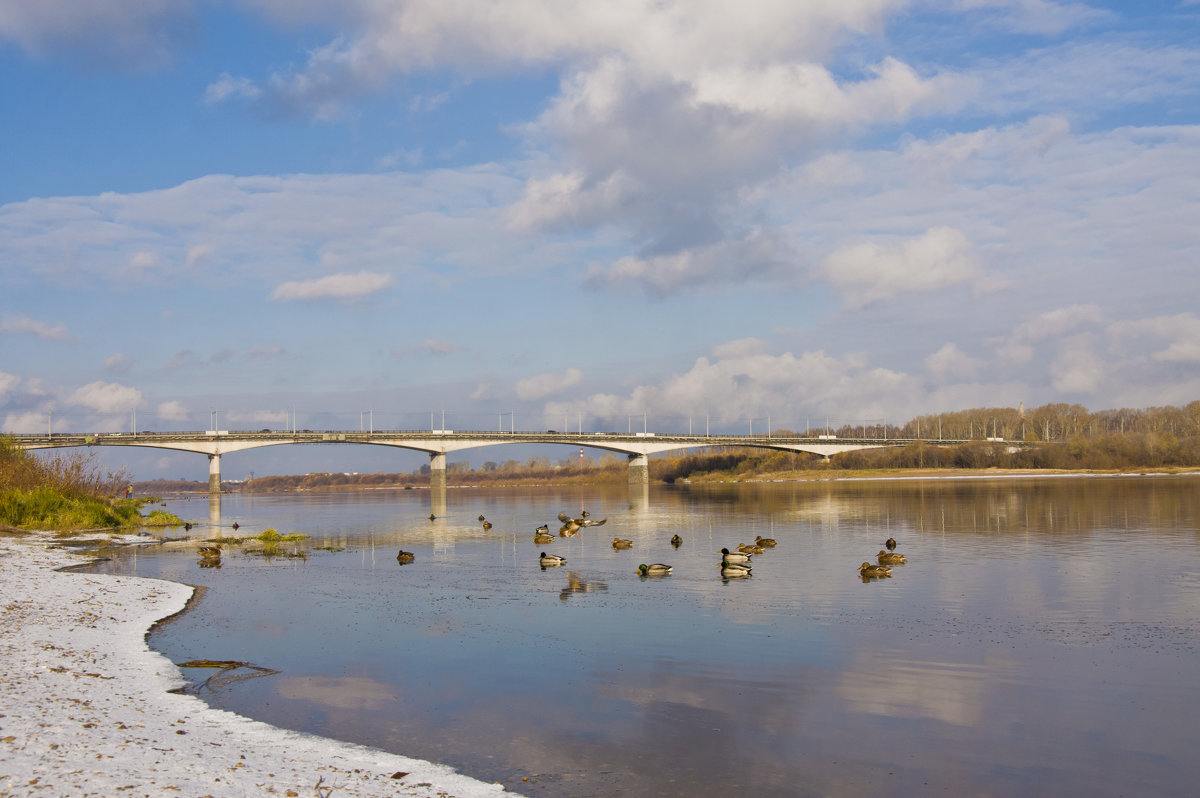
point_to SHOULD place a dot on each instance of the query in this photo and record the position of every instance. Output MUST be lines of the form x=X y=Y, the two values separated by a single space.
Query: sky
x=539 y=214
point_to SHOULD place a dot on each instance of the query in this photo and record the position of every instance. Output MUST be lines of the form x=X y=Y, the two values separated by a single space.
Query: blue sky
x=856 y=210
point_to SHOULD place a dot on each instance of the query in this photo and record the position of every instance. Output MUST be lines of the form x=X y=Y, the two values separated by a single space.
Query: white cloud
x=262 y=351
x=950 y=361
x=1180 y=333
x=107 y=32
x=106 y=397
x=227 y=86
x=939 y=258
x=172 y=411
x=545 y=384
x=8 y=383
x=336 y=286
x=118 y=361
x=21 y=324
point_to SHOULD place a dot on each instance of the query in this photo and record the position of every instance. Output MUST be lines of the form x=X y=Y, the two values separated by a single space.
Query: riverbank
x=85 y=707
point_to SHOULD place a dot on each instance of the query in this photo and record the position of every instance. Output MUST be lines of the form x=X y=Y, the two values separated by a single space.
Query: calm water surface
x=1042 y=639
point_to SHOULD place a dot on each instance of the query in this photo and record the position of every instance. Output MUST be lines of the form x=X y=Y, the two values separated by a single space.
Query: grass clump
x=61 y=493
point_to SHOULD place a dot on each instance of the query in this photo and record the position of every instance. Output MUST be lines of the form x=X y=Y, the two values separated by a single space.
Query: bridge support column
x=639 y=469
x=214 y=473
x=437 y=470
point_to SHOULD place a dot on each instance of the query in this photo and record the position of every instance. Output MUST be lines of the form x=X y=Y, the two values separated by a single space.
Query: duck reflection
x=576 y=584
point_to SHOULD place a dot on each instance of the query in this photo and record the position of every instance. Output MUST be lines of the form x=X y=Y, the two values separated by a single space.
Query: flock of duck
x=733 y=565
x=885 y=559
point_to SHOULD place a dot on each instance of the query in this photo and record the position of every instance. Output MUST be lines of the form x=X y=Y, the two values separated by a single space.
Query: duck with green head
x=654 y=569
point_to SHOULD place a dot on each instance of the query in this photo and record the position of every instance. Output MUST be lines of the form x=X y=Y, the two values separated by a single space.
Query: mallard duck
x=733 y=570
x=869 y=571
x=405 y=556
x=765 y=542
x=210 y=552
x=622 y=543
x=654 y=569
x=735 y=556
x=548 y=560
x=235 y=526
x=676 y=541
x=749 y=548
x=568 y=530
x=481 y=516
x=487 y=524
x=891 y=558
x=543 y=529
x=432 y=517
x=890 y=544
x=542 y=537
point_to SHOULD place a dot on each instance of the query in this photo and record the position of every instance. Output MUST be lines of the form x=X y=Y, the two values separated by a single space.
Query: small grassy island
x=67 y=494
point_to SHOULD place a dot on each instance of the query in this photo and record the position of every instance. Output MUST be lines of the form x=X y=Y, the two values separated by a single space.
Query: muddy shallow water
x=1042 y=639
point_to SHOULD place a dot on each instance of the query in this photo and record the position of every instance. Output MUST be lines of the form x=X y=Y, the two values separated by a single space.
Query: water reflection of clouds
x=951 y=692
x=345 y=692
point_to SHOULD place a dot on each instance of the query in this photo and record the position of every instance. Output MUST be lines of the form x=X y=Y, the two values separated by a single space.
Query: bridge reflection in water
x=637 y=447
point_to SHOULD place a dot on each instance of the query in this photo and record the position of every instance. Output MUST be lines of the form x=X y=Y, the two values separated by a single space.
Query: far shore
x=159 y=487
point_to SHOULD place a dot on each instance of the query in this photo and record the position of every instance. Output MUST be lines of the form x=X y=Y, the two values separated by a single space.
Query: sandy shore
x=85 y=708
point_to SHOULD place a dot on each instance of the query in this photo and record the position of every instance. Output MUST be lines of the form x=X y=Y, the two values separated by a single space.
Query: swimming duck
x=487 y=524
x=765 y=542
x=235 y=526
x=735 y=556
x=210 y=552
x=622 y=543
x=547 y=560
x=749 y=548
x=481 y=516
x=654 y=569
x=890 y=544
x=543 y=537
x=891 y=558
x=868 y=571
x=405 y=556
x=676 y=541
x=432 y=517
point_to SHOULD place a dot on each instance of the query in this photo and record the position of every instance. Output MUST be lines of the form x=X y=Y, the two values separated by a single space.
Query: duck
x=676 y=541
x=187 y=526
x=432 y=517
x=235 y=526
x=210 y=552
x=749 y=548
x=765 y=542
x=405 y=556
x=547 y=560
x=654 y=569
x=733 y=570
x=735 y=556
x=891 y=558
x=543 y=537
x=481 y=516
x=487 y=524
x=868 y=571
x=568 y=530
x=543 y=529
x=622 y=543
x=890 y=544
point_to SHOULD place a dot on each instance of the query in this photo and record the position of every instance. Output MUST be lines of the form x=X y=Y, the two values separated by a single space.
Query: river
x=1043 y=637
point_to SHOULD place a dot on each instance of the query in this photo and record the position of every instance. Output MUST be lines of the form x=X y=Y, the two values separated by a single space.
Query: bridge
x=637 y=447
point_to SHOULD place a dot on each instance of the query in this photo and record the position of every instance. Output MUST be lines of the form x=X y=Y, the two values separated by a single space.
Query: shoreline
x=85 y=707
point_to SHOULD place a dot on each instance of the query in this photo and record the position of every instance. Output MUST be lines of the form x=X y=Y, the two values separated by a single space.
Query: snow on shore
x=85 y=708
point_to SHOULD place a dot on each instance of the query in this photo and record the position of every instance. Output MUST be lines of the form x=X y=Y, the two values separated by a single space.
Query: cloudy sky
x=549 y=212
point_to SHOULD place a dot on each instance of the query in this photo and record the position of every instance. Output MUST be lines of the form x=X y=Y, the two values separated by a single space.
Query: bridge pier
x=639 y=469
x=214 y=473
x=437 y=470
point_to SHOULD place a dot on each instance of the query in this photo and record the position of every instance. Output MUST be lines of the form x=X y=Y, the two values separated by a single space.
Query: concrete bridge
x=637 y=447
